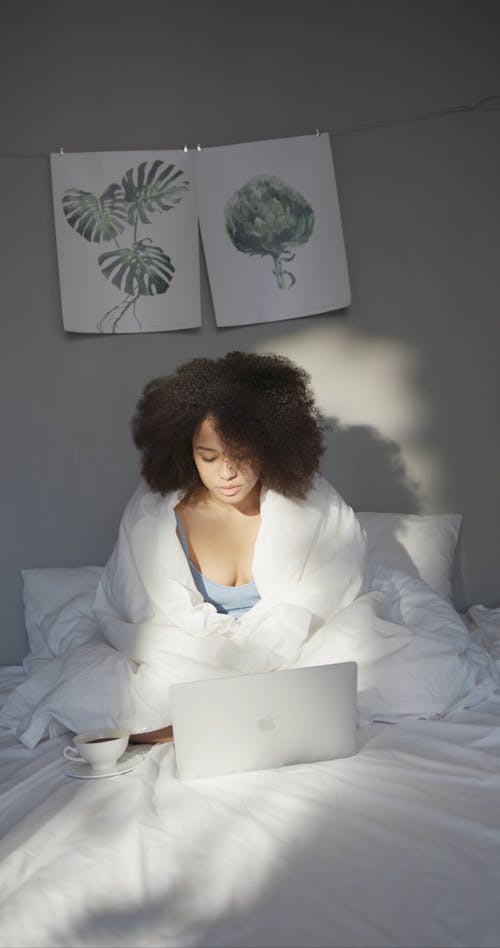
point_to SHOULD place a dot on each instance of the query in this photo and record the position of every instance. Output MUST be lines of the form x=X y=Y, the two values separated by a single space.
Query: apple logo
x=266 y=724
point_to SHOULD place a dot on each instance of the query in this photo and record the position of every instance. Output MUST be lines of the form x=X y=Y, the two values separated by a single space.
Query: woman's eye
x=208 y=460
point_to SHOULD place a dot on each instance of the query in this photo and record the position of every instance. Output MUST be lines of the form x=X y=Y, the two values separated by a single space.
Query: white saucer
x=84 y=772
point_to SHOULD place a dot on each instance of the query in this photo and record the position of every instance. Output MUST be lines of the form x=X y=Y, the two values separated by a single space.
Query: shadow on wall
x=368 y=470
x=370 y=474
x=382 y=453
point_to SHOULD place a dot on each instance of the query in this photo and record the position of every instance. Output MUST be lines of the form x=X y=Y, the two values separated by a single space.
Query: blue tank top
x=229 y=600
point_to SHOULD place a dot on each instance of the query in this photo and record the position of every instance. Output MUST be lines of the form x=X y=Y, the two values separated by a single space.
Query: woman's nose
x=229 y=469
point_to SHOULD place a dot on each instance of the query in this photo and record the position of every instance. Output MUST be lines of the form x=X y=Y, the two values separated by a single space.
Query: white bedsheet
x=397 y=846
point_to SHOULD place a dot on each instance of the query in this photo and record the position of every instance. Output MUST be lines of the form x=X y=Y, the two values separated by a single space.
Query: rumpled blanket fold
x=309 y=563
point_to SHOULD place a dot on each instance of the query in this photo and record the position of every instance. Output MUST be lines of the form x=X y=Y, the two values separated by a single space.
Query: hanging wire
x=481 y=105
x=489 y=103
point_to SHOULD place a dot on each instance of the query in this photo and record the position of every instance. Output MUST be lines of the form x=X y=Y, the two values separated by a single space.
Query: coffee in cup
x=100 y=749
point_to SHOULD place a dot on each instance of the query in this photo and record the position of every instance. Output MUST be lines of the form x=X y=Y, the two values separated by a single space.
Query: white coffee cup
x=100 y=749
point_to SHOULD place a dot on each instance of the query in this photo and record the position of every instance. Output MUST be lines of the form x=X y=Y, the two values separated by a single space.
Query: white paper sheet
x=271 y=230
x=127 y=241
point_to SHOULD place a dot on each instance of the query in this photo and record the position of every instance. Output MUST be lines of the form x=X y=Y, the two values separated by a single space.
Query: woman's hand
x=164 y=735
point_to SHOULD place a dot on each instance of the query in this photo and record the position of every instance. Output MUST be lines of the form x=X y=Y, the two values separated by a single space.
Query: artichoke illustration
x=268 y=218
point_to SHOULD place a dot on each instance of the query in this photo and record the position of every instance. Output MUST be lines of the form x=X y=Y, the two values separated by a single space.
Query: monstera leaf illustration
x=96 y=218
x=140 y=270
x=152 y=187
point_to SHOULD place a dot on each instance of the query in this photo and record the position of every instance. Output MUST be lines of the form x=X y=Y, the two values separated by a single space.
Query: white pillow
x=58 y=609
x=420 y=545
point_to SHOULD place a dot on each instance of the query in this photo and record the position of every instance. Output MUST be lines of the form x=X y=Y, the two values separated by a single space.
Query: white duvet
x=321 y=602
x=309 y=563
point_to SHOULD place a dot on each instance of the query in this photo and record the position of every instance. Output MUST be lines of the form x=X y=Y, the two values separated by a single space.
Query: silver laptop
x=253 y=722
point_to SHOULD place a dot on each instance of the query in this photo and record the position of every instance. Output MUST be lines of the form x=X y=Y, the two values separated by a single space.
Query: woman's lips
x=229 y=490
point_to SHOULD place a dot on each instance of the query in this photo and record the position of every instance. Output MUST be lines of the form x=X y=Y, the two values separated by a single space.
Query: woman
x=234 y=550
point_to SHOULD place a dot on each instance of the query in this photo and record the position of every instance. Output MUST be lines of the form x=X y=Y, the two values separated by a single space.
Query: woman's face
x=228 y=480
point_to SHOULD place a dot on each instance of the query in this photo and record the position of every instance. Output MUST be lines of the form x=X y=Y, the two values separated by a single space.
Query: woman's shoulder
x=321 y=497
x=145 y=503
x=322 y=492
x=335 y=512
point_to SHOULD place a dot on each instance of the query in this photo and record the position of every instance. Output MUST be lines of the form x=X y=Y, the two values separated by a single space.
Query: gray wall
x=408 y=373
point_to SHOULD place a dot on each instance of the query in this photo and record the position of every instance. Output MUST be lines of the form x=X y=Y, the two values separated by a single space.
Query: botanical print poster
x=271 y=230
x=127 y=241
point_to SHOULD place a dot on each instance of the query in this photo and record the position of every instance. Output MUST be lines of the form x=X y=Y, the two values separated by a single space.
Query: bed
x=396 y=846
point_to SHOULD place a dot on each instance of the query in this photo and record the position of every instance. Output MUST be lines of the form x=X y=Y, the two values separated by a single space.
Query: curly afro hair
x=263 y=410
